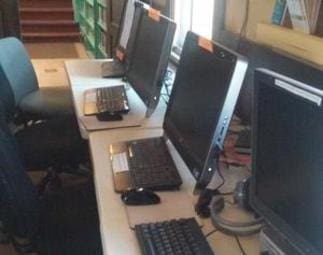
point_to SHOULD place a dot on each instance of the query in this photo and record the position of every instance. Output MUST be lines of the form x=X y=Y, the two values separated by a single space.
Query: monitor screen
x=287 y=186
x=149 y=57
x=197 y=117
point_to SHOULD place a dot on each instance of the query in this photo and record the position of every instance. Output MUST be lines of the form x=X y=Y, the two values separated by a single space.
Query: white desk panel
x=117 y=237
x=86 y=74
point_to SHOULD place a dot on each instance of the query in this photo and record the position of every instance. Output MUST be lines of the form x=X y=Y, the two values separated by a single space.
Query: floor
x=48 y=60
x=56 y=50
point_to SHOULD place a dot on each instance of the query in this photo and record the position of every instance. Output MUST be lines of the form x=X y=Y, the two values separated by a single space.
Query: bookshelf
x=101 y=29
x=85 y=12
x=99 y=21
x=303 y=47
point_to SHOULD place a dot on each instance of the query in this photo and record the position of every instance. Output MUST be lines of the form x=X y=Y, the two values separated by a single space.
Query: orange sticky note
x=154 y=14
x=120 y=55
x=205 y=44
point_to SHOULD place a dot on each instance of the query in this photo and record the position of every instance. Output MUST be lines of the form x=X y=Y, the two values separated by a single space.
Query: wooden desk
x=117 y=238
x=86 y=74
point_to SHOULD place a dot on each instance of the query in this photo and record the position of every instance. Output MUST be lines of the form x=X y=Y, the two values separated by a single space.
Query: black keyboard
x=112 y=100
x=175 y=237
x=151 y=165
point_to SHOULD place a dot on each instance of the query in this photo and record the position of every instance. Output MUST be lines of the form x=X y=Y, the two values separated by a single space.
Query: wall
x=259 y=11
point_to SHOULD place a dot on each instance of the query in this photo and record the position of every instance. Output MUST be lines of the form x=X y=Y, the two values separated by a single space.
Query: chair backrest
x=18 y=68
x=7 y=98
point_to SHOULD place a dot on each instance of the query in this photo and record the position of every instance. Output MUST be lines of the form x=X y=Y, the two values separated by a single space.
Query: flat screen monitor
x=287 y=178
x=149 y=57
x=206 y=88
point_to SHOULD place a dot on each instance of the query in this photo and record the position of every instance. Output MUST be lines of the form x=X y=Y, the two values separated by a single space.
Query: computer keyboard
x=175 y=237
x=151 y=165
x=112 y=100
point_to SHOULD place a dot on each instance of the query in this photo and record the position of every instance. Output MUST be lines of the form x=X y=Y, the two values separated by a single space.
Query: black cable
x=211 y=233
x=240 y=245
x=226 y=193
x=244 y=24
x=221 y=176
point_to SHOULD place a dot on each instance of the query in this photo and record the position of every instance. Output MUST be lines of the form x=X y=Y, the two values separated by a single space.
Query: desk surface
x=86 y=74
x=117 y=238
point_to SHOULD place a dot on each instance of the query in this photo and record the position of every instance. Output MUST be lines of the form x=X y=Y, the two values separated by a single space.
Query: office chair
x=54 y=145
x=33 y=102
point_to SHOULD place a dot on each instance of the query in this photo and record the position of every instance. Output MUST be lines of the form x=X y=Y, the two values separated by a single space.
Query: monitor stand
x=273 y=243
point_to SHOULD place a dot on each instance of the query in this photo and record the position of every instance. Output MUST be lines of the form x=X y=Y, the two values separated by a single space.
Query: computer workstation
x=128 y=136
x=219 y=73
x=139 y=97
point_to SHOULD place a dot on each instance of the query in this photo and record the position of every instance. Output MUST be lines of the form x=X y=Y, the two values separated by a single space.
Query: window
x=195 y=15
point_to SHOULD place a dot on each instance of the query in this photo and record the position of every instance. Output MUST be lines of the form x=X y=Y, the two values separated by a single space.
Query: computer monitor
x=206 y=88
x=287 y=164
x=149 y=57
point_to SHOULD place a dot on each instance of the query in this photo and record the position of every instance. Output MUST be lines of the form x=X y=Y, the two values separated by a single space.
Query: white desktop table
x=117 y=237
x=86 y=74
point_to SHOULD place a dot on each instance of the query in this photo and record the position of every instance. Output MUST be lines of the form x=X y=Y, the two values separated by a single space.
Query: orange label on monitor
x=205 y=44
x=120 y=55
x=154 y=14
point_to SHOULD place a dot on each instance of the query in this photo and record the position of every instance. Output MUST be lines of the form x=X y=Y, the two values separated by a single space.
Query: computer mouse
x=140 y=196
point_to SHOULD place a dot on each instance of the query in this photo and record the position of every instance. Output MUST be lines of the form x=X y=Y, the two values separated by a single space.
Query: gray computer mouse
x=140 y=196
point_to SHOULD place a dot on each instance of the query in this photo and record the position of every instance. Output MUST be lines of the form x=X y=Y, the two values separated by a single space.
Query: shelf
x=102 y=3
x=308 y=48
x=102 y=53
x=90 y=23
x=102 y=26
x=90 y=2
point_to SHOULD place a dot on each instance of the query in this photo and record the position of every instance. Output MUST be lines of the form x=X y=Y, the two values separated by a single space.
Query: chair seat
x=48 y=102
x=52 y=143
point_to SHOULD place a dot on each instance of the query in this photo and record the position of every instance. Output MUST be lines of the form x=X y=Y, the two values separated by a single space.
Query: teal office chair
x=54 y=145
x=33 y=102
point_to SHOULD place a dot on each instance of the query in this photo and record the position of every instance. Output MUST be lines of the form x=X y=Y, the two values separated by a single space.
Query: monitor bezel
x=204 y=175
x=273 y=220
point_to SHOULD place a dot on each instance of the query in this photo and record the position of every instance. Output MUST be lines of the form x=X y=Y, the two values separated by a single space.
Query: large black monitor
x=287 y=179
x=206 y=88
x=149 y=57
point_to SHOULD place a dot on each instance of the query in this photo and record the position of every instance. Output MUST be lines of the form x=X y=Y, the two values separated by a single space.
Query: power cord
x=211 y=233
x=240 y=245
x=244 y=24
x=167 y=83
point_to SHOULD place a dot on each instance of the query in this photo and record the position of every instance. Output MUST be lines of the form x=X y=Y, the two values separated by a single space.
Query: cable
x=244 y=24
x=211 y=233
x=240 y=245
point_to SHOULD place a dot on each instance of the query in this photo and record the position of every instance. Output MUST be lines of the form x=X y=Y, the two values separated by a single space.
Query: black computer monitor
x=206 y=88
x=287 y=168
x=149 y=57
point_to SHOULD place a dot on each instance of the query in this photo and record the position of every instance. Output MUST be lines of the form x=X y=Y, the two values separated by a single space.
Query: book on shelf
x=279 y=12
x=299 y=15
x=319 y=23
